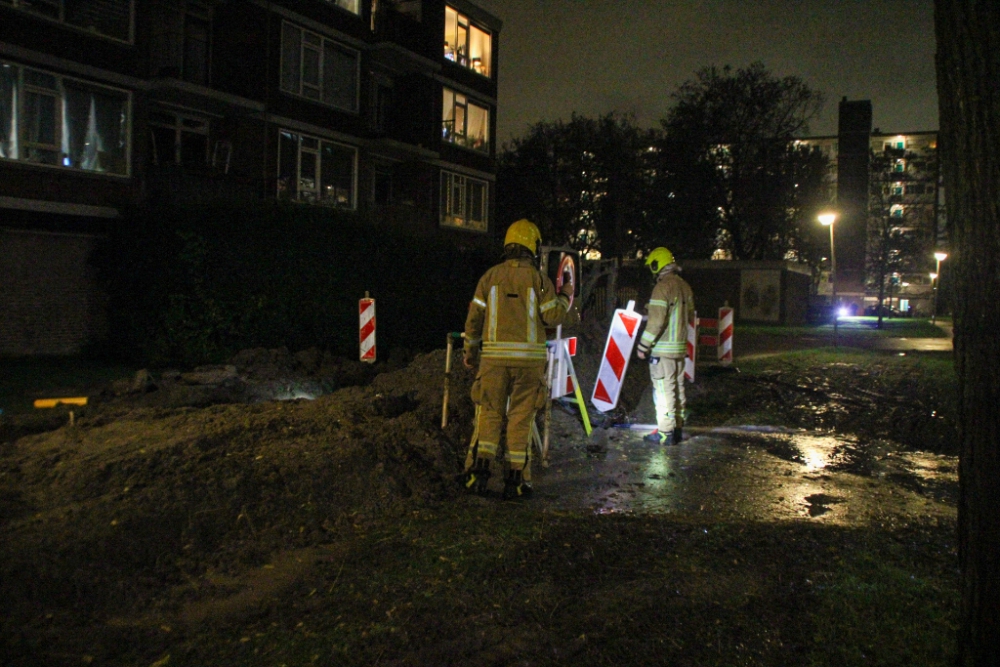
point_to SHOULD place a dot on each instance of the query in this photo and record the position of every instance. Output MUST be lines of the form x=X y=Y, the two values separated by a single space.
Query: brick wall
x=49 y=300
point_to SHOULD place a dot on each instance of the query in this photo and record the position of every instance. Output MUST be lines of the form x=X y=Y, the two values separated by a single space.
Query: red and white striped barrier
x=366 y=317
x=562 y=383
x=614 y=362
x=692 y=349
x=725 y=336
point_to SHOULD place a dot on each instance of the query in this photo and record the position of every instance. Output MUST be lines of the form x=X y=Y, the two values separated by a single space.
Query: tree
x=732 y=160
x=968 y=63
x=900 y=220
x=585 y=182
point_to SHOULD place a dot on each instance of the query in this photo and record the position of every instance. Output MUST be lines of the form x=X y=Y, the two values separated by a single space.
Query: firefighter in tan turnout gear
x=505 y=335
x=664 y=343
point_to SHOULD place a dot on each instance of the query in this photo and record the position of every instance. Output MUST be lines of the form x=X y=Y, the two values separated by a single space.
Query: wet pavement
x=749 y=473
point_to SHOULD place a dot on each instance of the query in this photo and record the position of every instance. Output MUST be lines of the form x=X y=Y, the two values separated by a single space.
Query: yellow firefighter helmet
x=659 y=258
x=524 y=232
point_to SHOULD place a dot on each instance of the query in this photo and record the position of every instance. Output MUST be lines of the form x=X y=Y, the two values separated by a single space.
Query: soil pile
x=97 y=516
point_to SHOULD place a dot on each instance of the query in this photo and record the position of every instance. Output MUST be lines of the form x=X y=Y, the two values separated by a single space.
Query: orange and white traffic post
x=725 y=336
x=366 y=328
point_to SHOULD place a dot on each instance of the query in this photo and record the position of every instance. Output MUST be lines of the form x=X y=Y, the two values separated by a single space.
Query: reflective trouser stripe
x=521 y=385
x=486 y=449
x=517 y=459
x=668 y=393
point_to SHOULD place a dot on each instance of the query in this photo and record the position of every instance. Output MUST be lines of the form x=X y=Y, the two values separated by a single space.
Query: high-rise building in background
x=909 y=191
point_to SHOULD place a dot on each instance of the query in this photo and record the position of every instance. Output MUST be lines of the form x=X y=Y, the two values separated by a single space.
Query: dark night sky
x=595 y=56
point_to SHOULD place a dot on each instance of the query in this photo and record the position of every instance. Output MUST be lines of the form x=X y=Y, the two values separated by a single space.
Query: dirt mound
x=156 y=496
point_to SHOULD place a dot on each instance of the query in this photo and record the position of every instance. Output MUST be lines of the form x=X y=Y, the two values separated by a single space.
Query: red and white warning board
x=366 y=316
x=614 y=361
x=562 y=383
x=691 y=354
x=725 y=336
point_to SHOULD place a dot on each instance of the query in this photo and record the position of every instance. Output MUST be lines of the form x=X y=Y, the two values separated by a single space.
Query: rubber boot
x=660 y=438
x=478 y=477
x=515 y=487
x=678 y=435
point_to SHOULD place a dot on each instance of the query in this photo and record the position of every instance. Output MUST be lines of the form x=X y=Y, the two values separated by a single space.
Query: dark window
x=111 y=18
x=319 y=68
x=178 y=139
x=383 y=188
x=196 y=32
x=382 y=108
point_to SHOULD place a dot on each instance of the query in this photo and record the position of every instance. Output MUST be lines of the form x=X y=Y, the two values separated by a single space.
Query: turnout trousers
x=668 y=393
x=524 y=386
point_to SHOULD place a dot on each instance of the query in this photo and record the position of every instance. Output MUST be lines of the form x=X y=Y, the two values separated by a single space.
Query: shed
x=765 y=292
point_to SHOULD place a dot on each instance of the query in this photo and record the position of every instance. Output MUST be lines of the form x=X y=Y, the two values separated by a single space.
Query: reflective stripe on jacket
x=513 y=304
x=670 y=308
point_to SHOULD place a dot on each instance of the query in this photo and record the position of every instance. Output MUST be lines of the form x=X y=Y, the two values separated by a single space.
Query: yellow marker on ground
x=53 y=402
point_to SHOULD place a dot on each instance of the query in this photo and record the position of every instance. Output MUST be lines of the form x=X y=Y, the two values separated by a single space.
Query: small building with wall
x=764 y=292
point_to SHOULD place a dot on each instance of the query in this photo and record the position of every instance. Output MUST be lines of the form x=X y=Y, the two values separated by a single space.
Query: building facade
x=885 y=188
x=383 y=107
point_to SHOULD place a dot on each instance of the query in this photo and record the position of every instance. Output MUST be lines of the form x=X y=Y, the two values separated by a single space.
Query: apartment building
x=884 y=180
x=383 y=107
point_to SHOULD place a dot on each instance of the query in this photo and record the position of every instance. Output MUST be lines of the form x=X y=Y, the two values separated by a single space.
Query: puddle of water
x=757 y=473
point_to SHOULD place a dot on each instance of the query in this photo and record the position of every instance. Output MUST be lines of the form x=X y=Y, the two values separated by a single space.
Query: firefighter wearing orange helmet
x=505 y=336
x=664 y=342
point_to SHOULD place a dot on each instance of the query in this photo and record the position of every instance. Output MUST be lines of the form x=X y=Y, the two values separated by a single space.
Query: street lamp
x=827 y=220
x=936 y=283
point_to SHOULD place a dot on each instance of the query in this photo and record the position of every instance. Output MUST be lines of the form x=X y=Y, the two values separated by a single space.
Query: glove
x=567 y=289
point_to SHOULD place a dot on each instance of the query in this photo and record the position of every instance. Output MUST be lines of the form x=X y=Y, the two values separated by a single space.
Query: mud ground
x=330 y=531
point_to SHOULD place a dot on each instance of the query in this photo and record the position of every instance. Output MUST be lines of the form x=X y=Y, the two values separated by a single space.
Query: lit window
x=896 y=211
x=465 y=43
x=464 y=122
x=899 y=166
x=316 y=171
x=110 y=18
x=464 y=202
x=62 y=122
x=352 y=6
x=318 y=68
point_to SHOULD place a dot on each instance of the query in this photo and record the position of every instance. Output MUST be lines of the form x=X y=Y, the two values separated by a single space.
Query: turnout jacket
x=513 y=304
x=670 y=308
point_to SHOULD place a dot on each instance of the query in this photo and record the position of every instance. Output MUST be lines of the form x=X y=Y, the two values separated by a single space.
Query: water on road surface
x=752 y=473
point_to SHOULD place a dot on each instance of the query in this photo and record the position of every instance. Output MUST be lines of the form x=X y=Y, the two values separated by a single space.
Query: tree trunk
x=968 y=69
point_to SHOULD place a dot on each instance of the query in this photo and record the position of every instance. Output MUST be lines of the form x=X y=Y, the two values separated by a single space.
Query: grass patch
x=487 y=584
x=909 y=399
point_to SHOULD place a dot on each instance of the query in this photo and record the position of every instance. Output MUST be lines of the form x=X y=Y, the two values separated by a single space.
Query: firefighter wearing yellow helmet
x=505 y=336
x=664 y=343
